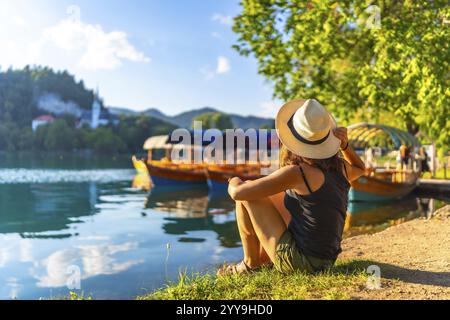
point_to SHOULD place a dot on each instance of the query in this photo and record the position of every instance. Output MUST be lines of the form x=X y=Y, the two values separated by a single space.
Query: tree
x=134 y=130
x=105 y=140
x=60 y=136
x=330 y=51
x=9 y=135
x=16 y=97
x=215 y=120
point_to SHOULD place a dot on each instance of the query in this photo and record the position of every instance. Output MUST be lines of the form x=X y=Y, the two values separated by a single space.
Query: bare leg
x=267 y=224
x=250 y=242
x=260 y=225
x=278 y=202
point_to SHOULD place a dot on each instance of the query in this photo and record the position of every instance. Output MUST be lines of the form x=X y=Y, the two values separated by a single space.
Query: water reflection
x=188 y=203
x=118 y=236
x=193 y=210
x=93 y=260
x=369 y=217
x=30 y=209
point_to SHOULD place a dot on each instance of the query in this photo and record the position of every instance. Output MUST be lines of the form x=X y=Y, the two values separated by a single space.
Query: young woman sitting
x=315 y=182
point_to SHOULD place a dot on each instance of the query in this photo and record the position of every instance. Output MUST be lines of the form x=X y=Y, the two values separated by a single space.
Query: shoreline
x=413 y=259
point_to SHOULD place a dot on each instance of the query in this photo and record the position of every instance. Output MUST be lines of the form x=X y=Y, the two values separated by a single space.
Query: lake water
x=61 y=216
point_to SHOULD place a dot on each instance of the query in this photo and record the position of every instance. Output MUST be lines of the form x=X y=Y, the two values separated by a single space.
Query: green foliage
x=73 y=296
x=9 y=133
x=215 y=120
x=268 y=127
x=134 y=130
x=63 y=83
x=103 y=140
x=267 y=284
x=19 y=90
x=16 y=97
x=325 y=49
x=60 y=136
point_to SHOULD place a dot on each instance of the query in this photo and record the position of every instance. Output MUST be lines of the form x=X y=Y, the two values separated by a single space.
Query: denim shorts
x=289 y=258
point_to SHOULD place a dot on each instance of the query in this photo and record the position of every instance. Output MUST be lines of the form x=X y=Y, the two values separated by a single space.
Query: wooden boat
x=165 y=172
x=218 y=176
x=381 y=184
x=170 y=174
x=142 y=178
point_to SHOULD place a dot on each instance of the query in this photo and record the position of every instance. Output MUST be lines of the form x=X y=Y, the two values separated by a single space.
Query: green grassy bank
x=267 y=284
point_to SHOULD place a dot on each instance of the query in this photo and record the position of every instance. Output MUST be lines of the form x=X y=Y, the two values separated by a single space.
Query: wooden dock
x=439 y=186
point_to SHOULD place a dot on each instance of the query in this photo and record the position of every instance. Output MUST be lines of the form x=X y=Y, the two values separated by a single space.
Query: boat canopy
x=157 y=142
x=209 y=136
x=364 y=135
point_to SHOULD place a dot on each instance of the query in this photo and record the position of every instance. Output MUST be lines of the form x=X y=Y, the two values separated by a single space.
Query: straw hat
x=306 y=129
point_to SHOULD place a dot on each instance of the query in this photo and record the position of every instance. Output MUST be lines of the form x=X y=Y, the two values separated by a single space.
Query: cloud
x=19 y=21
x=93 y=260
x=222 y=19
x=223 y=65
x=99 y=50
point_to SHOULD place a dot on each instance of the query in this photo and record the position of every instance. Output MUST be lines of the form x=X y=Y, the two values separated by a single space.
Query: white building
x=97 y=116
x=41 y=121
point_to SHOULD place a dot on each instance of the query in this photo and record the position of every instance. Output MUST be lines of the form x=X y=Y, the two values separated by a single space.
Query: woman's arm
x=354 y=162
x=281 y=180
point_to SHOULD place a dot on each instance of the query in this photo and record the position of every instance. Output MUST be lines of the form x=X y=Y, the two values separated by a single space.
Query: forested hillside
x=20 y=93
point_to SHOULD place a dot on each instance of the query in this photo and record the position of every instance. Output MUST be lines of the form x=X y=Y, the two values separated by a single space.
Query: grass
x=72 y=296
x=439 y=174
x=267 y=284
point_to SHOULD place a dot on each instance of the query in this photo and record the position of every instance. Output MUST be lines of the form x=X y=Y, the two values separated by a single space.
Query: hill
x=184 y=120
x=30 y=92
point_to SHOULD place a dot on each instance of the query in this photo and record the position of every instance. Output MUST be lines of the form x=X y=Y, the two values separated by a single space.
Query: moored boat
x=217 y=176
x=142 y=178
x=380 y=184
x=383 y=186
x=165 y=172
x=169 y=174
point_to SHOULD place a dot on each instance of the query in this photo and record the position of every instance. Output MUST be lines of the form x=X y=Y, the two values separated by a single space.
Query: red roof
x=45 y=118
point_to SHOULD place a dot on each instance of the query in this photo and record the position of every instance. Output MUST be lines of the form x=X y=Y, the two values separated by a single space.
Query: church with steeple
x=97 y=116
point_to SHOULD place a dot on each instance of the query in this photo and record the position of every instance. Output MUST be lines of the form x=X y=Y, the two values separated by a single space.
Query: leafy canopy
x=337 y=52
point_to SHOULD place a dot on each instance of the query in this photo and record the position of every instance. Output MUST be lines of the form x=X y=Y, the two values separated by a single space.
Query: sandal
x=236 y=268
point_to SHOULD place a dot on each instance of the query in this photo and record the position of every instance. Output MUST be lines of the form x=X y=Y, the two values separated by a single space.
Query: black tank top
x=318 y=218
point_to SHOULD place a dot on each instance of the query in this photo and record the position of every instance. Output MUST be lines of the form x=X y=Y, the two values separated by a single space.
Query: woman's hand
x=341 y=134
x=232 y=184
x=235 y=181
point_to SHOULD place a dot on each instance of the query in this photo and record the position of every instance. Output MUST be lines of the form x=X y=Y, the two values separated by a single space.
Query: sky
x=174 y=55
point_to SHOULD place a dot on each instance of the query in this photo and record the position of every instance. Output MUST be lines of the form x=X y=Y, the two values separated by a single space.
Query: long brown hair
x=335 y=163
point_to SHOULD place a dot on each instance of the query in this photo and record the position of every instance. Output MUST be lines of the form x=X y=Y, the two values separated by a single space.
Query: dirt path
x=414 y=259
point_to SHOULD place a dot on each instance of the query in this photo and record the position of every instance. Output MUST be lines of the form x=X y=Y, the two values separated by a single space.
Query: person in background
x=369 y=153
x=423 y=156
x=404 y=156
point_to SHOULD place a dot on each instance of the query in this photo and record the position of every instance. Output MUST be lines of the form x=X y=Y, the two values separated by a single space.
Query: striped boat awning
x=364 y=135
